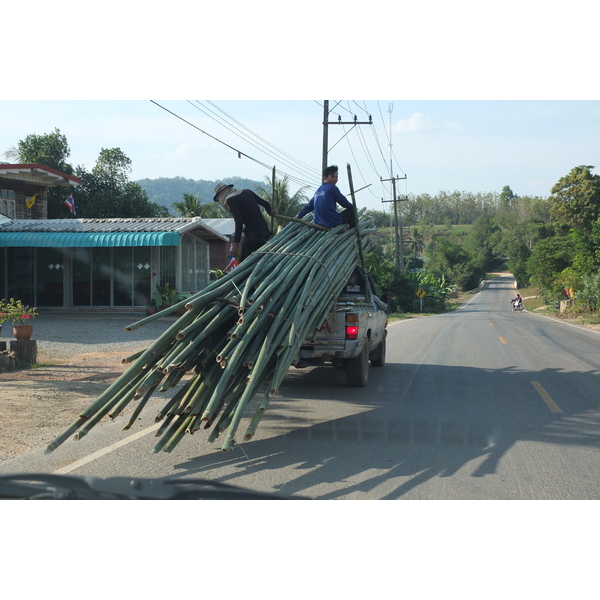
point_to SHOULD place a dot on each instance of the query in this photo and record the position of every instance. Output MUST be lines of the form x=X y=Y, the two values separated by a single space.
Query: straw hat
x=219 y=188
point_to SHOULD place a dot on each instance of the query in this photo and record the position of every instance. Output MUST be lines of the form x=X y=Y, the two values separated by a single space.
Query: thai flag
x=233 y=263
x=70 y=202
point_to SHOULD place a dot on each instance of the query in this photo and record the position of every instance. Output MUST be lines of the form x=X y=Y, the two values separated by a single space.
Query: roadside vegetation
x=451 y=241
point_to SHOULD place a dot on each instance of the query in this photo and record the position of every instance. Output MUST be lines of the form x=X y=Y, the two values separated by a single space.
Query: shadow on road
x=402 y=442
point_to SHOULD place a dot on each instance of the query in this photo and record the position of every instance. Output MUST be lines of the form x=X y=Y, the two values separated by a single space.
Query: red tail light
x=351 y=332
x=351 y=326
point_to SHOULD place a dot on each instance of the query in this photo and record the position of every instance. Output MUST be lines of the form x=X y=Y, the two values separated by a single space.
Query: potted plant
x=167 y=295
x=19 y=315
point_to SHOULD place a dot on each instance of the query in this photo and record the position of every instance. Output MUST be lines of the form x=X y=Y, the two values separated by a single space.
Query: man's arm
x=341 y=199
x=308 y=208
x=264 y=203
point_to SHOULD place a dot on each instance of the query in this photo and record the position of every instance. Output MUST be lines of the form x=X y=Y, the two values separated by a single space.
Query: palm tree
x=280 y=199
x=416 y=243
x=213 y=210
x=13 y=155
x=189 y=207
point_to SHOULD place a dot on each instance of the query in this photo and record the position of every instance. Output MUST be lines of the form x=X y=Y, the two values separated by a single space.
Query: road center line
x=87 y=459
x=546 y=397
x=502 y=340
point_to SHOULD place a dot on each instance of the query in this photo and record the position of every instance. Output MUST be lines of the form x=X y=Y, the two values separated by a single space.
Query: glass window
x=123 y=276
x=20 y=275
x=194 y=263
x=142 y=270
x=101 y=276
x=168 y=266
x=82 y=277
x=50 y=272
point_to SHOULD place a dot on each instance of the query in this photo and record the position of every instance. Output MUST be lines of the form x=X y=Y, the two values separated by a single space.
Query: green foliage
x=213 y=210
x=14 y=311
x=576 y=199
x=549 y=258
x=106 y=191
x=164 y=190
x=437 y=290
x=190 y=206
x=415 y=242
x=589 y=291
x=167 y=294
x=50 y=149
x=279 y=196
x=480 y=242
x=518 y=254
x=379 y=218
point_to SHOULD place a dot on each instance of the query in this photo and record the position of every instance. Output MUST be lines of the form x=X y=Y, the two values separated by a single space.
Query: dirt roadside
x=37 y=404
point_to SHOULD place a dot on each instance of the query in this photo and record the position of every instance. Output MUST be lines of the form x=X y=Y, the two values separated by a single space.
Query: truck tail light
x=351 y=332
x=351 y=326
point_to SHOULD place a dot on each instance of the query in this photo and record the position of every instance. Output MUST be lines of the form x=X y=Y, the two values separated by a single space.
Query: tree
x=480 y=243
x=416 y=242
x=213 y=210
x=280 y=199
x=576 y=199
x=549 y=258
x=50 y=149
x=189 y=207
x=106 y=192
x=506 y=197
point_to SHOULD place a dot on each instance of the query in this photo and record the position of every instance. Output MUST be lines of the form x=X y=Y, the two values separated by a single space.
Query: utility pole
x=397 y=223
x=327 y=122
x=395 y=200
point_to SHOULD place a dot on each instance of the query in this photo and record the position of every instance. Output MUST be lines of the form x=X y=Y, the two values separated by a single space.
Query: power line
x=239 y=152
x=263 y=143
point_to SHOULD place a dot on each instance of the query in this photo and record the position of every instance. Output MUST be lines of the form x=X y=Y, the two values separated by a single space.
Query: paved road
x=481 y=403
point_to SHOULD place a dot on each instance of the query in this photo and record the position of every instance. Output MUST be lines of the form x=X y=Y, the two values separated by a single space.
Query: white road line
x=103 y=451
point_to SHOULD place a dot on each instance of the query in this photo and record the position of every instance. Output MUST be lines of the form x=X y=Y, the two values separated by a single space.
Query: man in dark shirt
x=324 y=202
x=245 y=210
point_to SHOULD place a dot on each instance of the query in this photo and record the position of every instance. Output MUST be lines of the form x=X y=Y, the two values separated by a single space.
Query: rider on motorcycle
x=517 y=302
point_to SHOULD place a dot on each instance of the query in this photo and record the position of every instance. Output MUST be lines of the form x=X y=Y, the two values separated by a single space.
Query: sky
x=480 y=97
x=436 y=145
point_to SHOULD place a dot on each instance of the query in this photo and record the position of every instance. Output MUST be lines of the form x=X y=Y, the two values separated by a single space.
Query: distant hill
x=166 y=190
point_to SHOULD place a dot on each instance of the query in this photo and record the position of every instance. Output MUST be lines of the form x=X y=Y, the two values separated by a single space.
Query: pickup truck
x=352 y=335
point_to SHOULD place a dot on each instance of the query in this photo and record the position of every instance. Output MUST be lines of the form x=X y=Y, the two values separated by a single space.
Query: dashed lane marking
x=546 y=397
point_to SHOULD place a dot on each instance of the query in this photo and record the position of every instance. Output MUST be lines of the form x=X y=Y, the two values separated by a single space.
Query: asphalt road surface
x=480 y=403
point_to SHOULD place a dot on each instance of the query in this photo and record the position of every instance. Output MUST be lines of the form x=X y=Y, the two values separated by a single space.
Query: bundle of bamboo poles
x=238 y=335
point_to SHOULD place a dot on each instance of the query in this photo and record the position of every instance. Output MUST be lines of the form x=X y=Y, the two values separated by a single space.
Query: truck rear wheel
x=357 y=369
x=379 y=361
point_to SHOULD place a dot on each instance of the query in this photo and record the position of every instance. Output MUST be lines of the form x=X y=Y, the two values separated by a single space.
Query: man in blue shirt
x=324 y=203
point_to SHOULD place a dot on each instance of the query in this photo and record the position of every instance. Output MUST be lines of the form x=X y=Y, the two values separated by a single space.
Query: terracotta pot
x=23 y=332
x=151 y=310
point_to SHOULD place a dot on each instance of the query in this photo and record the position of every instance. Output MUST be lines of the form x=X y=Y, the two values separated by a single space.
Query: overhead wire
x=281 y=156
x=245 y=137
x=239 y=152
x=306 y=166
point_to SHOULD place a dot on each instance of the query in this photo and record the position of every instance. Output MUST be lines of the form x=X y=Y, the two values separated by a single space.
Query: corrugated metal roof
x=88 y=240
x=223 y=226
x=70 y=233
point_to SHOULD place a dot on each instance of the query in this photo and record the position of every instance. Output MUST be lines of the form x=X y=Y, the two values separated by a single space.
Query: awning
x=88 y=240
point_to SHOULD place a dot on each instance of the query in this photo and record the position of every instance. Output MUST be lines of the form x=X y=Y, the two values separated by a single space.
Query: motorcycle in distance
x=517 y=305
